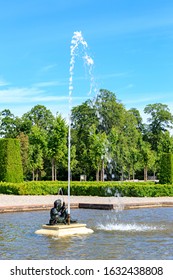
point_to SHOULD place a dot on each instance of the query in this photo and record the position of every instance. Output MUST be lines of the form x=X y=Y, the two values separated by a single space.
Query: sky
x=130 y=42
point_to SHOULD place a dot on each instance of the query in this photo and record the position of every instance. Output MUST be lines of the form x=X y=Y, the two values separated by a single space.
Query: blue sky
x=130 y=41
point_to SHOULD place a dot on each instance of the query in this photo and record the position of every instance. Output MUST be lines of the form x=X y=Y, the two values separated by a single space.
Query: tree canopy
x=107 y=141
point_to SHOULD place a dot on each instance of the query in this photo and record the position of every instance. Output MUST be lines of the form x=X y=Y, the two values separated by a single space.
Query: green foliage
x=106 y=139
x=10 y=161
x=98 y=147
x=166 y=169
x=129 y=189
x=9 y=188
x=24 y=149
x=160 y=120
x=40 y=116
x=161 y=117
x=57 y=145
x=9 y=124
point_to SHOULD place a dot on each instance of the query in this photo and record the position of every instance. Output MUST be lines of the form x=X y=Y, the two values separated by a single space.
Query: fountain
x=138 y=234
x=60 y=229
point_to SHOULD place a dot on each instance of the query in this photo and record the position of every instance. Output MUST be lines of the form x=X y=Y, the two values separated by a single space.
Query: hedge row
x=10 y=161
x=133 y=189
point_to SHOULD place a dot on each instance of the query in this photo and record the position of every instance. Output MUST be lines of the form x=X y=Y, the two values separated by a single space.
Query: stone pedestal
x=61 y=230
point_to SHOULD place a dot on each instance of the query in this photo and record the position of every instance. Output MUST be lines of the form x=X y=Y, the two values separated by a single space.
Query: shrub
x=130 y=189
x=10 y=161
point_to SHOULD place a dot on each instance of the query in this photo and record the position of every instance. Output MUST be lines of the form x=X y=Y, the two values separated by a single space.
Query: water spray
x=77 y=40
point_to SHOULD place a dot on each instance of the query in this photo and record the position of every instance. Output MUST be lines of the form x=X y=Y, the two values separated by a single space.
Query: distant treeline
x=108 y=142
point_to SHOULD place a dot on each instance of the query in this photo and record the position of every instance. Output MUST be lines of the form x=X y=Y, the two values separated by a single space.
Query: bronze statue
x=59 y=214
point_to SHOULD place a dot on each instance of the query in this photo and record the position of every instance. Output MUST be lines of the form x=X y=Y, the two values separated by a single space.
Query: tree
x=104 y=113
x=109 y=111
x=24 y=149
x=9 y=124
x=37 y=151
x=57 y=145
x=40 y=116
x=132 y=136
x=160 y=121
x=37 y=125
x=83 y=117
x=136 y=114
x=98 y=151
x=124 y=145
x=147 y=158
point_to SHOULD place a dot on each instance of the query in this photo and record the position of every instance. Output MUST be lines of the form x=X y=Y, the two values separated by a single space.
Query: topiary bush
x=166 y=169
x=10 y=161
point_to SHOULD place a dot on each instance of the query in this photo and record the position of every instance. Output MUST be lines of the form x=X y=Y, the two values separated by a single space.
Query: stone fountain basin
x=61 y=230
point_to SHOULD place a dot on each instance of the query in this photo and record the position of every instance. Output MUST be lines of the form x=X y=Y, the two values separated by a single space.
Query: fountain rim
x=81 y=205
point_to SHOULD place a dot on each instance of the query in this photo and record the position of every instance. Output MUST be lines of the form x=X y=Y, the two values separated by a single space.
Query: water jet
x=75 y=228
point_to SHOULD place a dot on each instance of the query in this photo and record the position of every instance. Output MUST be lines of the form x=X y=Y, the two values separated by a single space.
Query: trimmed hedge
x=166 y=169
x=131 y=189
x=10 y=161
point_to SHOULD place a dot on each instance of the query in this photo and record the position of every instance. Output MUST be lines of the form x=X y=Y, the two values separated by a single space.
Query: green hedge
x=10 y=161
x=131 y=189
x=166 y=169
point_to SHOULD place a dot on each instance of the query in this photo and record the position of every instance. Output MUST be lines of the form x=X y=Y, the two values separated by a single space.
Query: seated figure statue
x=59 y=214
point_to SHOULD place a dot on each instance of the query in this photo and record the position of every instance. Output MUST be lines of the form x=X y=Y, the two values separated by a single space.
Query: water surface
x=128 y=234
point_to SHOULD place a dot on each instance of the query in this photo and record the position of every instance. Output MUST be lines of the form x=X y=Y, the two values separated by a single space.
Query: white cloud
x=111 y=75
x=3 y=82
x=48 y=67
x=15 y=95
x=130 y=86
x=21 y=100
x=50 y=84
x=149 y=97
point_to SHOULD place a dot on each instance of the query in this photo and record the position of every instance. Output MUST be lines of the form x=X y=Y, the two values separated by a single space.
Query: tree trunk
x=145 y=173
x=97 y=174
x=129 y=174
x=133 y=174
x=154 y=175
x=39 y=174
x=102 y=172
x=55 y=177
x=36 y=176
x=53 y=173
x=33 y=175
x=122 y=174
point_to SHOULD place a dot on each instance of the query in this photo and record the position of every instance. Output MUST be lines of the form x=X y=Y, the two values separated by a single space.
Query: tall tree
x=40 y=116
x=24 y=148
x=37 y=150
x=37 y=124
x=110 y=112
x=136 y=114
x=83 y=117
x=9 y=124
x=147 y=158
x=57 y=145
x=132 y=136
x=159 y=122
x=98 y=151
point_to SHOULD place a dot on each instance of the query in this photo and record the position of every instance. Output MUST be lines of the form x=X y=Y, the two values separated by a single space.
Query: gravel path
x=27 y=203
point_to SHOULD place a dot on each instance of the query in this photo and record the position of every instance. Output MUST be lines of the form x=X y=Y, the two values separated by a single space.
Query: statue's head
x=57 y=203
